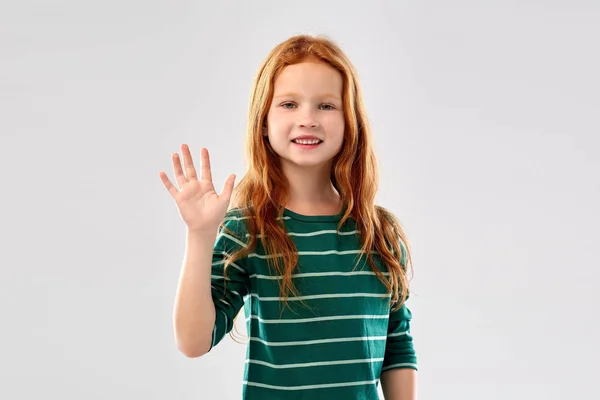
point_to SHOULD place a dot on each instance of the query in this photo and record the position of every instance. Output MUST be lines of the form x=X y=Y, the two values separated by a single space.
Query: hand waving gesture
x=200 y=207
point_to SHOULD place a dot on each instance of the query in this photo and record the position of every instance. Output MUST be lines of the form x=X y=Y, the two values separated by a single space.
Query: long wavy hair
x=263 y=191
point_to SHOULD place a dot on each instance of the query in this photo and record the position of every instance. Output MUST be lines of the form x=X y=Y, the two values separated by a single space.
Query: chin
x=309 y=161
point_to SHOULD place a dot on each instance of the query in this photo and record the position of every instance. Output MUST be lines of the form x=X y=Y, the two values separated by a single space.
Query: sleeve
x=399 y=348
x=229 y=286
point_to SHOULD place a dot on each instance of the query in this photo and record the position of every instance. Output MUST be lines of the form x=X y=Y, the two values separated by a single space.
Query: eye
x=285 y=105
x=331 y=107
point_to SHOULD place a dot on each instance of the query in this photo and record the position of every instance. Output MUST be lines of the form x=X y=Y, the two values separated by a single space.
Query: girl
x=320 y=269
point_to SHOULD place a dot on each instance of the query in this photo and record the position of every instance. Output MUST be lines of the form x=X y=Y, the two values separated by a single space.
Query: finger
x=228 y=188
x=170 y=187
x=206 y=174
x=179 y=176
x=190 y=171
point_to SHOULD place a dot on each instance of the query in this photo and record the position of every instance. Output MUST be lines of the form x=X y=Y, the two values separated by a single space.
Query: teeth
x=301 y=141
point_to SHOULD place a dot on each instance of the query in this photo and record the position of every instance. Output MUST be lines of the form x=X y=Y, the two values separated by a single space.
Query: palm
x=199 y=200
x=200 y=206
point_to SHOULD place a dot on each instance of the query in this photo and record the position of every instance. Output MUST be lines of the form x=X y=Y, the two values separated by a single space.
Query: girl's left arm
x=399 y=384
x=399 y=370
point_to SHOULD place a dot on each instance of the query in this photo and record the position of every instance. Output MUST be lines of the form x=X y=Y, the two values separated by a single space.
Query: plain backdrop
x=486 y=124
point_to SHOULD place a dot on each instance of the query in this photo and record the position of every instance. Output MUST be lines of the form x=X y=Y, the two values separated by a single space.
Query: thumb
x=228 y=188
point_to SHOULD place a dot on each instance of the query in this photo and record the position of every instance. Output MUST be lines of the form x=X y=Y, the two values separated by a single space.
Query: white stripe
x=230 y=291
x=219 y=277
x=238 y=268
x=313 y=274
x=323 y=296
x=398 y=334
x=319 y=341
x=233 y=239
x=316 y=319
x=219 y=262
x=213 y=335
x=326 y=252
x=315 y=233
x=314 y=364
x=234 y=218
x=306 y=387
x=322 y=232
x=307 y=253
x=313 y=253
x=399 y=365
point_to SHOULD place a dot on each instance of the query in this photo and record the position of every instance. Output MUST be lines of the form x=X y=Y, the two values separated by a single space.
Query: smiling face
x=307 y=100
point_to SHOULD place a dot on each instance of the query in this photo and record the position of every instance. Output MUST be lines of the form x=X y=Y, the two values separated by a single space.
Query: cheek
x=279 y=124
x=273 y=116
x=335 y=123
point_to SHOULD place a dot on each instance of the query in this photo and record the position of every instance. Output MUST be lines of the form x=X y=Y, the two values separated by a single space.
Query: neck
x=311 y=189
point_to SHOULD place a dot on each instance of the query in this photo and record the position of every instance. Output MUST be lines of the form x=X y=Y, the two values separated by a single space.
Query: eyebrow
x=292 y=94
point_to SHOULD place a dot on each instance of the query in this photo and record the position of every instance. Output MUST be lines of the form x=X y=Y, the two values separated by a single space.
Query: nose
x=307 y=119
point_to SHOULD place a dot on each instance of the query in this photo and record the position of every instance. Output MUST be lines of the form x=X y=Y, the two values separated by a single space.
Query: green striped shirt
x=338 y=346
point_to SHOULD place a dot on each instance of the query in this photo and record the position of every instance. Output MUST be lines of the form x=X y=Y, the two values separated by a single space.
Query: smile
x=307 y=141
x=307 y=144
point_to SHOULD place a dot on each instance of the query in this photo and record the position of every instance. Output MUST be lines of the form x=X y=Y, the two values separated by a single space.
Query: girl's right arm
x=203 y=211
x=194 y=312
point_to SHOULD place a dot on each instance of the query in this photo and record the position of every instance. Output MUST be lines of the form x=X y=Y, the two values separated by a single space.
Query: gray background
x=485 y=117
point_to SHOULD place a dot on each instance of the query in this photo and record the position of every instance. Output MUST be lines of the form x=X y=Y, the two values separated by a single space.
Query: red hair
x=263 y=190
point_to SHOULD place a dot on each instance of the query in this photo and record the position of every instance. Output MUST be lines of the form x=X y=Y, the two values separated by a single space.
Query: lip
x=309 y=137
x=307 y=146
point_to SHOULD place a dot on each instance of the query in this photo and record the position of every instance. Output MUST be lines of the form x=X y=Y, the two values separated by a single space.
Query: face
x=307 y=100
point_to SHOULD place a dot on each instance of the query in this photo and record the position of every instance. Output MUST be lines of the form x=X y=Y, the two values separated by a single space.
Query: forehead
x=309 y=76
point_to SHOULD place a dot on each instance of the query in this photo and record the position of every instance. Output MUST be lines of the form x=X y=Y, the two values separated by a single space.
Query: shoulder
x=236 y=220
x=236 y=213
x=385 y=215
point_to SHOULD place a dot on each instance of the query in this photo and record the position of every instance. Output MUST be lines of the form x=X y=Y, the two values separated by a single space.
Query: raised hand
x=200 y=207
